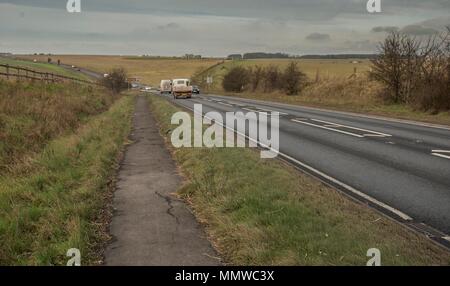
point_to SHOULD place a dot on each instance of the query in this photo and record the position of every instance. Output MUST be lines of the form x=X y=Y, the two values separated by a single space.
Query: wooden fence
x=9 y=72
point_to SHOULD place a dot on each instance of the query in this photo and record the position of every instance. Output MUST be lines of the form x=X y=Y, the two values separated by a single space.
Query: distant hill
x=339 y=57
x=249 y=56
x=260 y=55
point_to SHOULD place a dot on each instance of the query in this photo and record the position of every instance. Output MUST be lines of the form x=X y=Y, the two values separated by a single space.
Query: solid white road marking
x=446 y=238
x=328 y=128
x=354 y=128
x=440 y=151
x=268 y=110
x=440 y=155
x=323 y=175
x=248 y=109
x=223 y=103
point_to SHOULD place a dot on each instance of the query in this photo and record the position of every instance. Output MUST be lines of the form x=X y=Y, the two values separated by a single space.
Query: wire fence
x=11 y=72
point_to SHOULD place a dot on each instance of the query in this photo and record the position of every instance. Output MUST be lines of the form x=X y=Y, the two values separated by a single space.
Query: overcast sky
x=211 y=27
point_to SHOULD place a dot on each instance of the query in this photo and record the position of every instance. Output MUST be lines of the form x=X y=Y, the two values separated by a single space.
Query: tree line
x=291 y=80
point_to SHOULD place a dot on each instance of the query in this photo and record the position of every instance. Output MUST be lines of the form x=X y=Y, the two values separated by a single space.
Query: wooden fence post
x=7 y=72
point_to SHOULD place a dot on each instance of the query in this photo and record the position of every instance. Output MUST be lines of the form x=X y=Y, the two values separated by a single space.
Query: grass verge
x=43 y=67
x=59 y=202
x=264 y=212
x=31 y=114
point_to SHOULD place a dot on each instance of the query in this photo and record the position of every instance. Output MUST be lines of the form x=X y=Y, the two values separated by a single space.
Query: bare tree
x=414 y=71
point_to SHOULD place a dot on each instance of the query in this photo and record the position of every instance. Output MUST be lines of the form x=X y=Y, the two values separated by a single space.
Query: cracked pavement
x=150 y=226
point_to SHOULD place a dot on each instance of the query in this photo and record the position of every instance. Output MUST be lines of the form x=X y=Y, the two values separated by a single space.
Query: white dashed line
x=378 y=134
x=328 y=128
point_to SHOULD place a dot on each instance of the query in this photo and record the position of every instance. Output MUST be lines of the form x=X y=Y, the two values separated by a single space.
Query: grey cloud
x=170 y=26
x=318 y=37
x=209 y=27
x=360 y=45
x=272 y=9
x=385 y=29
x=418 y=30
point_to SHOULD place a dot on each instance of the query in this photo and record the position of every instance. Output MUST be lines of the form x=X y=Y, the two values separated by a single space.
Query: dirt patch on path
x=150 y=226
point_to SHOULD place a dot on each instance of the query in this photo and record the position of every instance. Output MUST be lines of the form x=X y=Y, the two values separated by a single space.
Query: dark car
x=195 y=89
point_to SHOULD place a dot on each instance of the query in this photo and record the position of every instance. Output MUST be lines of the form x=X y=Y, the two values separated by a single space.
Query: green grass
x=59 y=202
x=264 y=212
x=31 y=114
x=42 y=67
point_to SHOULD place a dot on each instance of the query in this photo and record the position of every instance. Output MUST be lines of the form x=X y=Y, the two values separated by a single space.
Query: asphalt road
x=400 y=168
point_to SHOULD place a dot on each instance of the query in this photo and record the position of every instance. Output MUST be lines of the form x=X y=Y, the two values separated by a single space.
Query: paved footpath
x=150 y=226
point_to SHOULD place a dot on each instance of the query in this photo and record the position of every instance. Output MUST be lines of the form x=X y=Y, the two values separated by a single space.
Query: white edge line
x=440 y=155
x=440 y=151
x=347 y=187
x=328 y=128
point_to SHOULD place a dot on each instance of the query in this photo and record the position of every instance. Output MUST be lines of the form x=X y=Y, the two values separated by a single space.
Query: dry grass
x=358 y=95
x=148 y=70
x=335 y=86
x=311 y=67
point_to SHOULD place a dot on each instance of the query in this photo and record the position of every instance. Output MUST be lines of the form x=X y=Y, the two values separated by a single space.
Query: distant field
x=42 y=67
x=153 y=70
x=148 y=70
x=324 y=68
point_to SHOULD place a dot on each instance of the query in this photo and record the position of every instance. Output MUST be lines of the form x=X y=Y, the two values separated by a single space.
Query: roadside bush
x=272 y=79
x=294 y=80
x=256 y=76
x=236 y=79
x=116 y=81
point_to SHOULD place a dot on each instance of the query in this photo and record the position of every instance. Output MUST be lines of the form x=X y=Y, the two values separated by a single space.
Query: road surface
x=399 y=168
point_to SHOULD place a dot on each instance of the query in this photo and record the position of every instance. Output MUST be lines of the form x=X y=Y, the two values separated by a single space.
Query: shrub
x=272 y=78
x=294 y=80
x=236 y=79
x=116 y=81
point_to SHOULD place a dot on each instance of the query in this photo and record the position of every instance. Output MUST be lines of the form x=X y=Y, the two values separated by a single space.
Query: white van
x=166 y=86
x=181 y=88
